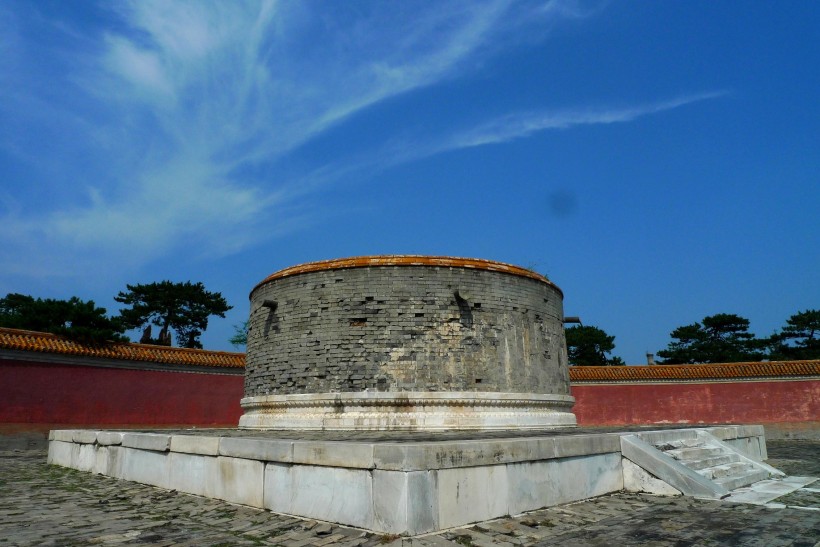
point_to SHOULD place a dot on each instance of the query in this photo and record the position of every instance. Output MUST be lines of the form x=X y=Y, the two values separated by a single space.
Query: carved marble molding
x=408 y=411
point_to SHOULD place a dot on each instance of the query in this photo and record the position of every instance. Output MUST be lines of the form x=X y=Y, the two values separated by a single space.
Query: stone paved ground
x=48 y=505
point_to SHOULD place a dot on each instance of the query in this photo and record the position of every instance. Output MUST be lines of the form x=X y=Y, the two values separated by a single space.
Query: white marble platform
x=393 y=484
x=408 y=411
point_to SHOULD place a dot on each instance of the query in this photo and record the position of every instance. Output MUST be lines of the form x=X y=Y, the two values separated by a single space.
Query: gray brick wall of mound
x=402 y=328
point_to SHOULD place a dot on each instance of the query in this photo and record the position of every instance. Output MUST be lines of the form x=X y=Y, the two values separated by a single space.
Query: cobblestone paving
x=796 y=458
x=48 y=505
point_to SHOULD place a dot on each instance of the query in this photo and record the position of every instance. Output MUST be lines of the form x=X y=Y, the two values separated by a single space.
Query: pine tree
x=181 y=307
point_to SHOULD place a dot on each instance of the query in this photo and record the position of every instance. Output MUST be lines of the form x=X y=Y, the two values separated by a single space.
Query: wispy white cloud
x=497 y=131
x=186 y=95
x=139 y=67
x=517 y=126
x=181 y=111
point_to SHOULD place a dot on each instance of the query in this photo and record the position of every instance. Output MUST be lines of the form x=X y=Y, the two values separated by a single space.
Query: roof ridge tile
x=706 y=371
x=43 y=342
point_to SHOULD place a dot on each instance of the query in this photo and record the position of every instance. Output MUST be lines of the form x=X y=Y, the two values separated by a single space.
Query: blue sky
x=659 y=161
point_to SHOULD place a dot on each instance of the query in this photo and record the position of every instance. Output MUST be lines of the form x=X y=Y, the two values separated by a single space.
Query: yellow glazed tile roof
x=407 y=260
x=23 y=340
x=713 y=371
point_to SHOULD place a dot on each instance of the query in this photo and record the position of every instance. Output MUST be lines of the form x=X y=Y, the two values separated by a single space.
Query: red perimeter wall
x=740 y=402
x=39 y=393
x=66 y=395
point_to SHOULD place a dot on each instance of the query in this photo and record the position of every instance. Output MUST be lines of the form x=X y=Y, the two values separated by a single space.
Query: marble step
x=679 y=443
x=726 y=470
x=745 y=479
x=711 y=461
x=696 y=453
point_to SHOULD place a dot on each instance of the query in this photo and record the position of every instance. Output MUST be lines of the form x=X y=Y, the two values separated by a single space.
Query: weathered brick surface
x=403 y=328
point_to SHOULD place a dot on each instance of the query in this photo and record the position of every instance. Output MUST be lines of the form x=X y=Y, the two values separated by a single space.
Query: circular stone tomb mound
x=406 y=343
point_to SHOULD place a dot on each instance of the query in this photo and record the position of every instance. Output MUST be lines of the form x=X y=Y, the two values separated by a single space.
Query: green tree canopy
x=589 y=346
x=721 y=338
x=799 y=339
x=77 y=319
x=181 y=307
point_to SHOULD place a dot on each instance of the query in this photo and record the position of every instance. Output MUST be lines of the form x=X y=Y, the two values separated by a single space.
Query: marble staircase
x=692 y=462
x=719 y=463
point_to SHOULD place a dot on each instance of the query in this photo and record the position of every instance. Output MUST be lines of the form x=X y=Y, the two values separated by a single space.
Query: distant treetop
x=74 y=318
x=721 y=338
x=590 y=346
x=181 y=307
x=799 y=339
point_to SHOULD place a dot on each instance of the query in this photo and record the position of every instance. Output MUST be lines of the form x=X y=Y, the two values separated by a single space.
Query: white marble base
x=761 y=493
x=407 y=411
x=389 y=486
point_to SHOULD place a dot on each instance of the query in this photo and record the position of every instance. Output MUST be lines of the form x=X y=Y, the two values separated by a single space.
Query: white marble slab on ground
x=761 y=493
x=392 y=484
